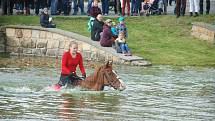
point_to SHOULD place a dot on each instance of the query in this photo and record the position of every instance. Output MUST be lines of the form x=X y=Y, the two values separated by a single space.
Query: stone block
x=211 y=34
x=204 y=37
x=35 y=33
x=43 y=34
x=58 y=36
x=17 y=49
x=12 y=41
x=27 y=51
x=41 y=43
x=43 y=51
x=2 y=48
x=19 y=33
x=66 y=44
x=61 y=44
x=61 y=51
x=10 y=32
x=52 y=52
x=26 y=33
x=36 y=51
x=53 y=44
x=26 y=42
x=86 y=47
x=49 y=35
x=33 y=43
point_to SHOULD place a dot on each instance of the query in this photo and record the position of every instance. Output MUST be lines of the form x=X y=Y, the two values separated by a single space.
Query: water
x=153 y=93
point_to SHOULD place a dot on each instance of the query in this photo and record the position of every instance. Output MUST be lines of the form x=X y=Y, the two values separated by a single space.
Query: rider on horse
x=70 y=60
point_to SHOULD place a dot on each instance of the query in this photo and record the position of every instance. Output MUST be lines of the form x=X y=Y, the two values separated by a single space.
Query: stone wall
x=37 y=41
x=2 y=41
x=203 y=31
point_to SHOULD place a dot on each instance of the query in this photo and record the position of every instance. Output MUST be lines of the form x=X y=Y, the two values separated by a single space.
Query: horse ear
x=109 y=63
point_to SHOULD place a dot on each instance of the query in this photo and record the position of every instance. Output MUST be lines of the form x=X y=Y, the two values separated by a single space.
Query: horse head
x=110 y=77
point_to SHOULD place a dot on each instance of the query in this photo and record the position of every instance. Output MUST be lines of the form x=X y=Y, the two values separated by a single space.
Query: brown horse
x=102 y=76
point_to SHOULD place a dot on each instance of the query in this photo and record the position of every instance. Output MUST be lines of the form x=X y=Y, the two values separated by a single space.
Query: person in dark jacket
x=45 y=20
x=97 y=28
x=95 y=10
x=106 y=38
x=180 y=7
x=207 y=6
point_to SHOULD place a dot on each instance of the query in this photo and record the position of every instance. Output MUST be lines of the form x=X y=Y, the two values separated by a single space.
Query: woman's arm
x=64 y=67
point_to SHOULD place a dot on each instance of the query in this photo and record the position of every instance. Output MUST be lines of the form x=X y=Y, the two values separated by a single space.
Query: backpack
x=90 y=23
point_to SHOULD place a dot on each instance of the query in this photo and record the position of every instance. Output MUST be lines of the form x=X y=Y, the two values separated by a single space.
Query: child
x=121 y=27
x=114 y=30
x=120 y=41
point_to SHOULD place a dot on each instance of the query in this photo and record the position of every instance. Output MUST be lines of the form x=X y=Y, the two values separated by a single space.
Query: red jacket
x=69 y=64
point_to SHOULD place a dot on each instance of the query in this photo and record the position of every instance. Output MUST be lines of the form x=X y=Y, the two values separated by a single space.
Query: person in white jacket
x=194 y=7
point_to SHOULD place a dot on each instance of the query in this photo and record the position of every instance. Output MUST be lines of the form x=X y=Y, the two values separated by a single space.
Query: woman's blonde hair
x=72 y=43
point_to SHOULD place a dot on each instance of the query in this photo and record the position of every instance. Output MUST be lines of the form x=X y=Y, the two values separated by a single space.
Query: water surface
x=153 y=93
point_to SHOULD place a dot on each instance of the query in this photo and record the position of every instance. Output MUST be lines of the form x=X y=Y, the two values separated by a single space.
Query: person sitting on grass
x=106 y=37
x=45 y=20
x=121 y=27
x=121 y=42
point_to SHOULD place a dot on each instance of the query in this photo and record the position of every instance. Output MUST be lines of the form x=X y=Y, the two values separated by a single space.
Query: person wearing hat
x=106 y=38
x=114 y=30
x=121 y=27
x=45 y=20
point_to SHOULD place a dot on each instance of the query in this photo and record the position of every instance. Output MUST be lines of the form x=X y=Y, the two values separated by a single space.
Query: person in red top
x=70 y=60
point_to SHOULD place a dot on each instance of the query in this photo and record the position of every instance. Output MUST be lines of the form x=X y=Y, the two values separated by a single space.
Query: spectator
x=180 y=7
x=114 y=30
x=97 y=28
x=39 y=4
x=121 y=27
x=106 y=38
x=123 y=4
x=89 y=5
x=194 y=7
x=134 y=7
x=66 y=7
x=105 y=7
x=95 y=10
x=207 y=6
x=121 y=42
x=79 y=3
x=45 y=20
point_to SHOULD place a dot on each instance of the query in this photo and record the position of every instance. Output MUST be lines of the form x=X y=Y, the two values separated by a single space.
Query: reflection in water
x=98 y=105
x=154 y=93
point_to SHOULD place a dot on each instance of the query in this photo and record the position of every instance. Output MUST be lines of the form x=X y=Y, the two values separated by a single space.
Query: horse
x=102 y=76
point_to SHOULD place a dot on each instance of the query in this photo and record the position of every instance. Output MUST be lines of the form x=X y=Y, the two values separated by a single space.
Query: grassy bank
x=159 y=39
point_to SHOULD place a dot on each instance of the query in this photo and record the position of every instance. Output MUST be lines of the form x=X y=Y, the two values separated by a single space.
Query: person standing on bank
x=180 y=7
x=207 y=6
x=70 y=60
x=194 y=7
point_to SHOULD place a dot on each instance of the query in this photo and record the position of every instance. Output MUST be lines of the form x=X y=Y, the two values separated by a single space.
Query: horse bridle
x=112 y=83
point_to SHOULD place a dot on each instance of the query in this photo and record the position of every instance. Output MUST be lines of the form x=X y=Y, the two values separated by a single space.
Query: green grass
x=159 y=39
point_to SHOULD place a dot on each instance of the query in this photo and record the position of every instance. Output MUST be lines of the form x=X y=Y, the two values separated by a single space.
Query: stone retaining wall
x=203 y=31
x=37 y=41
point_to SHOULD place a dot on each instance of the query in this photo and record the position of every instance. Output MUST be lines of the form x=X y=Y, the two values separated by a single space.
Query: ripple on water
x=154 y=93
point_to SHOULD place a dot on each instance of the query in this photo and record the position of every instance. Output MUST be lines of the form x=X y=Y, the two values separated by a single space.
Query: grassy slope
x=159 y=39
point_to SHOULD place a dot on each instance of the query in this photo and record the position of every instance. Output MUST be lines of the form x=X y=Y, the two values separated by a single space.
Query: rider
x=70 y=60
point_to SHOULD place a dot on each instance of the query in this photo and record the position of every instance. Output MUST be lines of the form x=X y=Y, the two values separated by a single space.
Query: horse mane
x=95 y=78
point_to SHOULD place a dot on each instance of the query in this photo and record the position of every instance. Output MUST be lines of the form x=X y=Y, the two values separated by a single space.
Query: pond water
x=153 y=93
